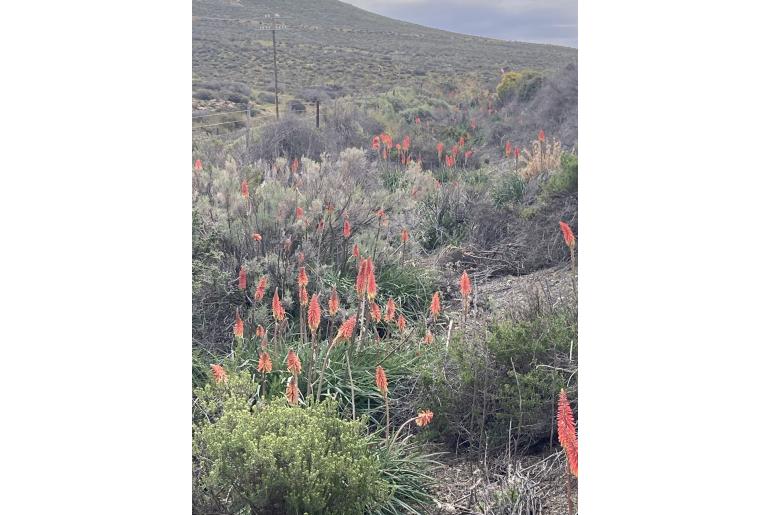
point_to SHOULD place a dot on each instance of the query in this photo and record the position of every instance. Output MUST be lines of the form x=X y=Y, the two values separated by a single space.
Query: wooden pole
x=275 y=73
x=317 y=114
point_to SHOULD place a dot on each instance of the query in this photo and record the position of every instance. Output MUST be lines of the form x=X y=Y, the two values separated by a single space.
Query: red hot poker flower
x=265 y=365
x=362 y=280
x=293 y=364
x=468 y=154
x=198 y=164
x=294 y=165
x=569 y=238
x=439 y=149
x=541 y=135
x=565 y=423
x=381 y=380
x=299 y=213
x=260 y=332
x=405 y=144
x=424 y=418
x=376 y=143
x=390 y=310
x=401 y=323
x=302 y=296
x=278 y=312
x=219 y=373
x=376 y=312
x=292 y=392
x=517 y=152
x=256 y=236
x=428 y=337
x=356 y=252
x=404 y=235
x=345 y=331
x=450 y=161
x=238 y=328
x=346 y=229
x=314 y=314
x=245 y=189
x=435 y=305
x=465 y=284
x=242 y=279
x=508 y=149
x=371 y=284
x=261 y=286
x=302 y=277
x=455 y=150
x=334 y=302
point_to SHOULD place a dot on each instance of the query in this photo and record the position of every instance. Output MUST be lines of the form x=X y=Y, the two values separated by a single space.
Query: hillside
x=342 y=48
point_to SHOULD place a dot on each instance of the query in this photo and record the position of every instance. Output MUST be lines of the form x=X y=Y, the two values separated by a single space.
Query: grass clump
x=566 y=179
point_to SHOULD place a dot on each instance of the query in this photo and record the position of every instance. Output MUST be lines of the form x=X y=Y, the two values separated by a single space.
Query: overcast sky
x=535 y=21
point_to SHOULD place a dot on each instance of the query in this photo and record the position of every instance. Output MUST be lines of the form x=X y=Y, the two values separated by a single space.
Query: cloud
x=536 y=21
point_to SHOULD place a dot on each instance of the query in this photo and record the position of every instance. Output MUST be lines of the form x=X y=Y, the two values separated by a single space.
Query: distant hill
x=341 y=49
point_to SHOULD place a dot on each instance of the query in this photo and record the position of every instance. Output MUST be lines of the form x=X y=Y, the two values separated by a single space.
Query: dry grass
x=543 y=157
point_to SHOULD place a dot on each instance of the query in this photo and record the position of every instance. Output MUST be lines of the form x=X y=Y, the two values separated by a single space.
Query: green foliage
x=443 y=217
x=521 y=85
x=508 y=382
x=282 y=459
x=508 y=190
x=566 y=179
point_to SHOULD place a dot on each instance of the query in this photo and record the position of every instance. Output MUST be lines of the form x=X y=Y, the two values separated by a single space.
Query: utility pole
x=273 y=26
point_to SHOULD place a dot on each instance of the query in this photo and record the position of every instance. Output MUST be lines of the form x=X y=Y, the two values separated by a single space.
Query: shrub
x=236 y=98
x=566 y=179
x=506 y=383
x=509 y=189
x=281 y=459
x=203 y=94
x=521 y=85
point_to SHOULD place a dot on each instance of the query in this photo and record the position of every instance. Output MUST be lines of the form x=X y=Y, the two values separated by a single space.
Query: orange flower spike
x=314 y=314
x=245 y=189
x=356 y=252
x=439 y=150
x=292 y=392
x=390 y=310
x=435 y=305
x=362 y=279
x=381 y=380
x=424 y=418
x=278 y=312
x=406 y=143
x=198 y=165
x=541 y=135
x=565 y=423
x=299 y=213
x=345 y=331
x=302 y=277
x=508 y=149
x=256 y=236
x=238 y=329
x=517 y=152
x=219 y=373
x=265 y=365
x=376 y=143
x=242 y=279
x=404 y=235
x=294 y=165
x=569 y=238
x=261 y=286
x=465 y=285
x=334 y=302
x=401 y=323
x=293 y=364
x=376 y=312
x=302 y=296
x=260 y=332
x=346 y=229
x=371 y=285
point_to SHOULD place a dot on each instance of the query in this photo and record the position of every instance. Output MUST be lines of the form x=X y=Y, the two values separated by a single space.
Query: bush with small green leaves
x=281 y=459
x=566 y=179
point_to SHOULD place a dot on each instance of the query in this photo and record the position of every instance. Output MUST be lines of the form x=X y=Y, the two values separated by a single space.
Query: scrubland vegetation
x=385 y=309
